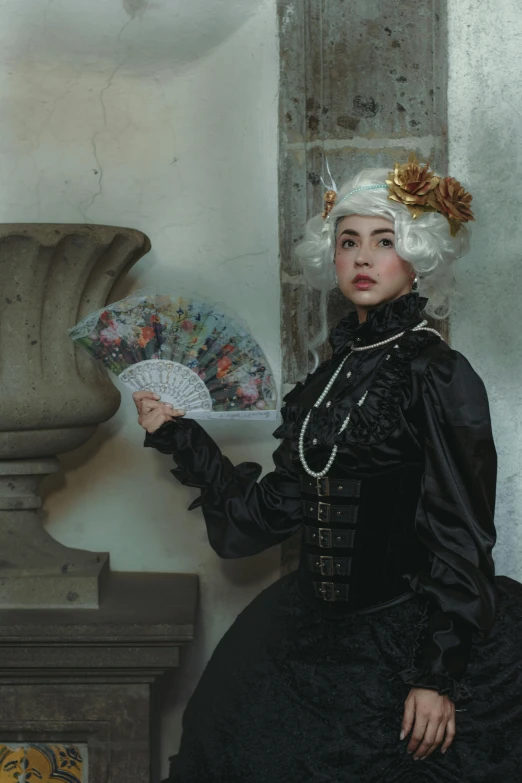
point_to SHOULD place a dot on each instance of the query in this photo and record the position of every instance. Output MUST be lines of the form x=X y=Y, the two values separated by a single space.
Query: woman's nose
x=362 y=255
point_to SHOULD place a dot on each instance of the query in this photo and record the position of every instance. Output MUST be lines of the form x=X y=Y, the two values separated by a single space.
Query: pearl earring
x=415 y=285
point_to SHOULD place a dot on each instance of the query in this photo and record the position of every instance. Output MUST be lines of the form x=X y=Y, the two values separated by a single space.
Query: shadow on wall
x=137 y=35
x=487 y=321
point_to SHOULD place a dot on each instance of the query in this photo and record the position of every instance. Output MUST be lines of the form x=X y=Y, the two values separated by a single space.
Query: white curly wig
x=425 y=242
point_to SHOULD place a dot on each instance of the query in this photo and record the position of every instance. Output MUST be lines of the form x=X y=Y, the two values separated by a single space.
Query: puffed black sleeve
x=244 y=514
x=455 y=521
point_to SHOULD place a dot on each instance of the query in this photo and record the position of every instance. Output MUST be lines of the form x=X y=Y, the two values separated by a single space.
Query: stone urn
x=52 y=396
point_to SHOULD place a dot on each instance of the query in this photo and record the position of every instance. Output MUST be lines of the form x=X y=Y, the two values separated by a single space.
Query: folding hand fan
x=191 y=352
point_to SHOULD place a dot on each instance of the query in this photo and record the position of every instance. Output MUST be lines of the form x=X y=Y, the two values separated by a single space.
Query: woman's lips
x=363 y=285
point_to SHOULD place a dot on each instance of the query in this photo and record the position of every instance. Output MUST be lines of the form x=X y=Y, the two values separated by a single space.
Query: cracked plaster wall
x=162 y=116
x=485 y=146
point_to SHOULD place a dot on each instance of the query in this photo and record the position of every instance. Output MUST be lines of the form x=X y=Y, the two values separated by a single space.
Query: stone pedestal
x=41 y=569
x=53 y=396
x=85 y=678
x=81 y=649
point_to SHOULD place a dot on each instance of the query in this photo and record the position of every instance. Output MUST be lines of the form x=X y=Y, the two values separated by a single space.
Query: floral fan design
x=191 y=352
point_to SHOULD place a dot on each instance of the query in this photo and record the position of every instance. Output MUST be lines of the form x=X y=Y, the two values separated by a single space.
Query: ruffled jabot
x=384 y=321
x=371 y=423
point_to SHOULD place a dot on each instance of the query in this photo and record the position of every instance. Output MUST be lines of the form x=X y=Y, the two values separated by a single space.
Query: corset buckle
x=326 y=565
x=325 y=538
x=323 y=482
x=323 y=511
x=327 y=591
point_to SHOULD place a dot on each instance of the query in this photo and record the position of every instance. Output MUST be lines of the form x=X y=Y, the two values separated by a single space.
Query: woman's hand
x=152 y=413
x=432 y=718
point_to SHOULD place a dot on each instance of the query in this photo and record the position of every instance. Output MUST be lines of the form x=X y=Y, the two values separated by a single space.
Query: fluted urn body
x=52 y=395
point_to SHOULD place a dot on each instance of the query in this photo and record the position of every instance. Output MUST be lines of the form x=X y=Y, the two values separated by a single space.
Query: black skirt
x=289 y=696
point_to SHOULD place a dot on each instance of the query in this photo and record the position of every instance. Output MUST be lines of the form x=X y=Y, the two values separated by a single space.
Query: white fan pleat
x=174 y=382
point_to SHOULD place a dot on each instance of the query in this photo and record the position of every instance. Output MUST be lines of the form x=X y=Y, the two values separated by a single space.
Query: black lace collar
x=384 y=321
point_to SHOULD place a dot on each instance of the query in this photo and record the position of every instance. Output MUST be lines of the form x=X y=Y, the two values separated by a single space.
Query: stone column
x=362 y=83
x=52 y=396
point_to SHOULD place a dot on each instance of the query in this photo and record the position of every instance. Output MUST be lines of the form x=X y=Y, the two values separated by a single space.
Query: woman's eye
x=389 y=242
x=347 y=243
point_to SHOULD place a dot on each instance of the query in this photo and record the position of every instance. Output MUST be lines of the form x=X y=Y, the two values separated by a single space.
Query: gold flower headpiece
x=421 y=190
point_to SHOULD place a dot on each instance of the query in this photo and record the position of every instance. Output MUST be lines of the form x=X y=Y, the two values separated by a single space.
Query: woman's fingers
x=407 y=718
x=450 y=734
x=156 y=418
x=429 y=742
x=144 y=394
x=147 y=401
x=166 y=408
x=151 y=421
x=148 y=405
x=438 y=738
x=419 y=729
x=434 y=721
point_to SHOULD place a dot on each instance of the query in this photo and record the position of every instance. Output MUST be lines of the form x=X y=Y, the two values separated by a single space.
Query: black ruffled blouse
x=426 y=414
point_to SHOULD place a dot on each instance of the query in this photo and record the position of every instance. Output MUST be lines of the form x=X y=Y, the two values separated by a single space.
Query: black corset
x=358 y=539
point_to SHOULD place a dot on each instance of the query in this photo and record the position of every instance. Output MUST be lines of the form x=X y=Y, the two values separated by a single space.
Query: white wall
x=161 y=116
x=485 y=133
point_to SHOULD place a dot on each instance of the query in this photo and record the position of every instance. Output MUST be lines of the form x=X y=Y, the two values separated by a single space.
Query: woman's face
x=368 y=268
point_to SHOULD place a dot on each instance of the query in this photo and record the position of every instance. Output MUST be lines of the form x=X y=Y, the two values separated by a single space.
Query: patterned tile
x=41 y=763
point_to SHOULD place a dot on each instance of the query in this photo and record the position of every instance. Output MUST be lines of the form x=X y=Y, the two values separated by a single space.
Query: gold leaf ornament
x=421 y=190
x=329 y=202
x=412 y=184
x=454 y=202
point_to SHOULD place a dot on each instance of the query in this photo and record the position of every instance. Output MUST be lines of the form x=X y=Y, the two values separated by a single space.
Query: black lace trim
x=387 y=319
x=424 y=678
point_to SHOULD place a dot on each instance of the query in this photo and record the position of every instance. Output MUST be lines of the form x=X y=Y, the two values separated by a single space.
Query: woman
x=393 y=642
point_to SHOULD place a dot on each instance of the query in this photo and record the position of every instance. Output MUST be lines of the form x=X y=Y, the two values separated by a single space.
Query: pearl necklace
x=422 y=326
x=319 y=474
